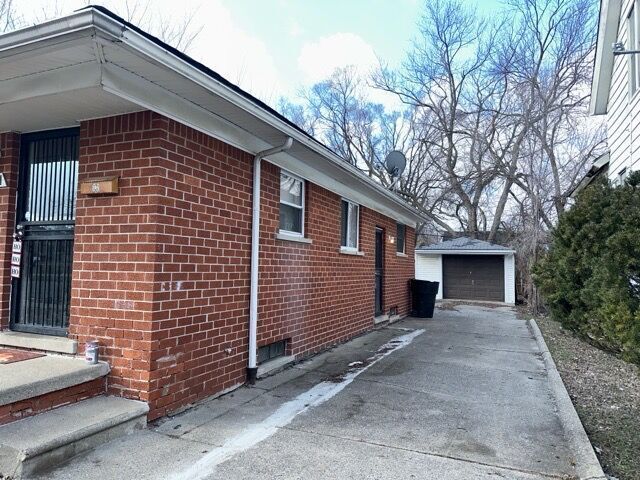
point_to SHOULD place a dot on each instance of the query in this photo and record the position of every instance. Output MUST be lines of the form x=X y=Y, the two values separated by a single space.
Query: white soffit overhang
x=90 y=65
x=609 y=19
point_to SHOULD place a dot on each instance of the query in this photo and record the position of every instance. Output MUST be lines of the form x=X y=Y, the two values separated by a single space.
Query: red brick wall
x=51 y=400
x=398 y=269
x=202 y=275
x=311 y=293
x=9 y=155
x=115 y=247
x=161 y=270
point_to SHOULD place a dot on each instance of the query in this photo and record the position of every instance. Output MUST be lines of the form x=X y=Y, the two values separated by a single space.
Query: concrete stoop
x=39 y=443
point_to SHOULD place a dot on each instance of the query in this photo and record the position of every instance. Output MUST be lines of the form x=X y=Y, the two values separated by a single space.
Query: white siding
x=509 y=279
x=623 y=114
x=429 y=267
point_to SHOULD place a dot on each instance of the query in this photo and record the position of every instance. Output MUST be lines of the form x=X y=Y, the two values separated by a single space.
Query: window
x=350 y=225
x=622 y=176
x=271 y=351
x=400 y=237
x=291 y=204
x=633 y=44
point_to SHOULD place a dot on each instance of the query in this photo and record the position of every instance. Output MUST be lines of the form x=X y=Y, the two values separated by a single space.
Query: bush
x=590 y=278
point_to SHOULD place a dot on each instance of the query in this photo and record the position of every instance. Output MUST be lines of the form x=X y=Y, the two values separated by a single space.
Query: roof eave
x=84 y=22
x=153 y=51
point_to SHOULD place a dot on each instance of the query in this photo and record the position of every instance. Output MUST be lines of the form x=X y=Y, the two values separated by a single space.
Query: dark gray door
x=379 y=273
x=46 y=213
x=473 y=277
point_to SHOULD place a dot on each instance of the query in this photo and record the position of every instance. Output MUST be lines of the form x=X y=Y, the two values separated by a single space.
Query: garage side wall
x=429 y=267
x=509 y=279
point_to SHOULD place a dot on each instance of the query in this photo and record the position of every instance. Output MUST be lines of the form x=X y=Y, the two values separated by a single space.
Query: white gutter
x=252 y=368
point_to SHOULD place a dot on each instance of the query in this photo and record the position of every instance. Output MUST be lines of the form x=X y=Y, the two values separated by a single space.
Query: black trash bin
x=423 y=298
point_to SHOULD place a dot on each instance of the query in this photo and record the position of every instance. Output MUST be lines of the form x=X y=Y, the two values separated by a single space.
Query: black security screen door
x=379 y=254
x=45 y=224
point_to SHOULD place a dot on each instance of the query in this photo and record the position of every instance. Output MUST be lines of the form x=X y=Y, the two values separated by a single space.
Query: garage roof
x=465 y=245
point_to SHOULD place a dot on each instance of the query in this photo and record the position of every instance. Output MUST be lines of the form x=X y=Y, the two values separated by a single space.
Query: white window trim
x=301 y=207
x=344 y=248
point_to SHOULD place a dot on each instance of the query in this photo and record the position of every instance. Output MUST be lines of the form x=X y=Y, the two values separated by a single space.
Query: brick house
x=127 y=216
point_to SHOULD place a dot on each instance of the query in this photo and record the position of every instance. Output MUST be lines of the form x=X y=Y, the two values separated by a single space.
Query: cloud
x=235 y=53
x=295 y=29
x=319 y=59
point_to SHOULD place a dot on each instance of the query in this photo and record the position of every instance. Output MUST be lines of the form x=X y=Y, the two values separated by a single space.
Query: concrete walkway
x=465 y=395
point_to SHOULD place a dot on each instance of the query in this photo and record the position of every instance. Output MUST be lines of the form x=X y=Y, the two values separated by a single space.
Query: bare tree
x=180 y=33
x=8 y=16
x=495 y=125
x=444 y=81
x=338 y=111
x=177 y=32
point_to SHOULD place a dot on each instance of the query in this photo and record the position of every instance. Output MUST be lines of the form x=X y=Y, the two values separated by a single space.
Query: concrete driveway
x=465 y=395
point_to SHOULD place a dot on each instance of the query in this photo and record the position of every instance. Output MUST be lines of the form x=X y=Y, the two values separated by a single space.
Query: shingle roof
x=465 y=243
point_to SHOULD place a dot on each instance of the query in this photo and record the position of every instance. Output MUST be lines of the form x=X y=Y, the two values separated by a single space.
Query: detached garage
x=469 y=269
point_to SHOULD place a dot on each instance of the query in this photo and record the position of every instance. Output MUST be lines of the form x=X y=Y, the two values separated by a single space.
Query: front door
x=45 y=224
x=379 y=272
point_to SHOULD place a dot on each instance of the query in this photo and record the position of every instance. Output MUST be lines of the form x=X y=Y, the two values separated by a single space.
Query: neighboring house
x=599 y=169
x=469 y=269
x=615 y=89
x=138 y=173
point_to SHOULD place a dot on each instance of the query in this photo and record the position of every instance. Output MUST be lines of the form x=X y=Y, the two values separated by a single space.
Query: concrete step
x=37 y=444
x=35 y=377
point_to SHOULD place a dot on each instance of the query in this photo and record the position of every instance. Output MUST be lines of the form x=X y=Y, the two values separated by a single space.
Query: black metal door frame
x=40 y=297
x=379 y=271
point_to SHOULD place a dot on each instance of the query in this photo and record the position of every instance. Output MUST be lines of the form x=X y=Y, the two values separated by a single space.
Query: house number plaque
x=100 y=186
x=16 y=256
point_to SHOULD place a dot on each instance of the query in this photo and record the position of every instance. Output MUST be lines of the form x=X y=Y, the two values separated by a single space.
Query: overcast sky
x=274 y=47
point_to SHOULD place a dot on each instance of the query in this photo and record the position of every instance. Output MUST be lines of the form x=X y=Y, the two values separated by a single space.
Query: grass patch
x=605 y=391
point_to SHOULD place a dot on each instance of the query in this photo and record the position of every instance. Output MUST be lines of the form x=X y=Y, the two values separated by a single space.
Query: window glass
x=290 y=218
x=291 y=204
x=400 y=237
x=350 y=228
x=352 y=238
x=345 y=225
x=290 y=189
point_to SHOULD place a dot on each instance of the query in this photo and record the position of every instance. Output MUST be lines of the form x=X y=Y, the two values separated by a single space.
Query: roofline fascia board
x=68 y=28
x=608 y=26
x=464 y=252
x=156 y=54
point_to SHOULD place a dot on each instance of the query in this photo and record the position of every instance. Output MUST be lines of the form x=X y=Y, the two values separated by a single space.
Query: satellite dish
x=395 y=163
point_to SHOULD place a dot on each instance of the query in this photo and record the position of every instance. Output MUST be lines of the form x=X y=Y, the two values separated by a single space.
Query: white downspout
x=252 y=369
